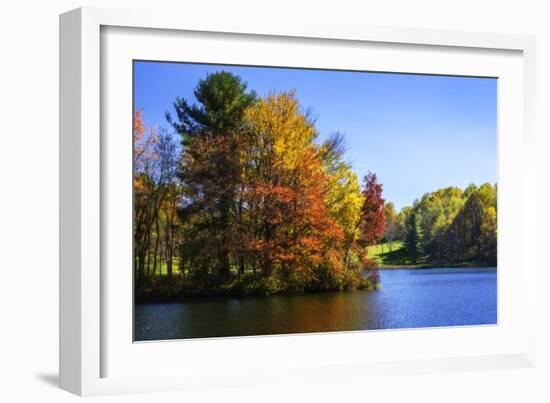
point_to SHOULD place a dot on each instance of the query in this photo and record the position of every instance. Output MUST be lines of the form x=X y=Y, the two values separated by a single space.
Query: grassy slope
x=399 y=258
x=388 y=255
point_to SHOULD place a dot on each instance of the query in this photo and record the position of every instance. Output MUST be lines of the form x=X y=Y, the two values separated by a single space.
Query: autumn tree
x=372 y=219
x=343 y=196
x=155 y=162
x=249 y=200
x=293 y=232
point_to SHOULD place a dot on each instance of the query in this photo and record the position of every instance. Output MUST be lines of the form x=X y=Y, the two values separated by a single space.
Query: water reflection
x=408 y=299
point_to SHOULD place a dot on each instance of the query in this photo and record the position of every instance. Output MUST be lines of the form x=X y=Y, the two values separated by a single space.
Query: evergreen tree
x=210 y=167
x=223 y=99
x=415 y=237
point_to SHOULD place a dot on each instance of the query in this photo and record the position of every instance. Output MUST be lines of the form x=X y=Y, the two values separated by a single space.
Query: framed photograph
x=242 y=197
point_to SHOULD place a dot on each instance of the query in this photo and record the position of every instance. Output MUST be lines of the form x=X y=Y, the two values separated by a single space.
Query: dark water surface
x=407 y=299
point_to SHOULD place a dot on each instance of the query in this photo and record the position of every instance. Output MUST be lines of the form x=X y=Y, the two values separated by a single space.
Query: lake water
x=407 y=299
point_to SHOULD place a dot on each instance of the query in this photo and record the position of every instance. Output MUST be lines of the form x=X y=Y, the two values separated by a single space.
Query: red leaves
x=372 y=213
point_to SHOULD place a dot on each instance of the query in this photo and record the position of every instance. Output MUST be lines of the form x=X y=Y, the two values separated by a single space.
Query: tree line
x=448 y=226
x=243 y=199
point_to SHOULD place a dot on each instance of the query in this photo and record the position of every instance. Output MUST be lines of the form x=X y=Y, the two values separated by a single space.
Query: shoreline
x=434 y=266
x=212 y=296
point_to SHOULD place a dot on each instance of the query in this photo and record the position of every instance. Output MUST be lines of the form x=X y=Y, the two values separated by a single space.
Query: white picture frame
x=88 y=331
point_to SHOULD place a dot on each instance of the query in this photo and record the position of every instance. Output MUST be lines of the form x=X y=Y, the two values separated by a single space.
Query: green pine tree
x=415 y=237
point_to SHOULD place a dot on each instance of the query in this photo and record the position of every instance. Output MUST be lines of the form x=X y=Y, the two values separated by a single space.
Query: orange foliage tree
x=284 y=185
x=261 y=207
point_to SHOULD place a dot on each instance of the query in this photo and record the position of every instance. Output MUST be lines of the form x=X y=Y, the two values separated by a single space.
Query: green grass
x=390 y=254
x=164 y=267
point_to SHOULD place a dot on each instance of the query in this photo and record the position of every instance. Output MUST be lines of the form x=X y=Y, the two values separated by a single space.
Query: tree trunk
x=241 y=264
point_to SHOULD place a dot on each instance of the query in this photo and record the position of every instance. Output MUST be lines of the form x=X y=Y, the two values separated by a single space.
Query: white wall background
x=29 y=197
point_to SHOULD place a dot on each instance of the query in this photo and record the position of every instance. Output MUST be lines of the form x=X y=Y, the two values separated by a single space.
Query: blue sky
x=418 y=133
